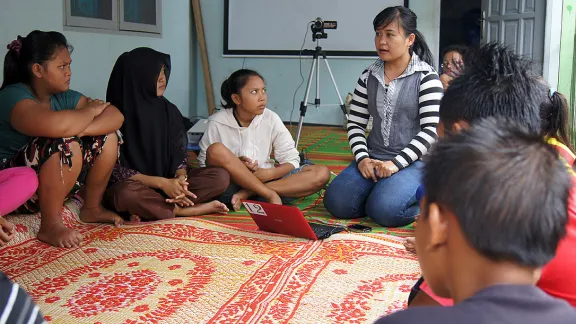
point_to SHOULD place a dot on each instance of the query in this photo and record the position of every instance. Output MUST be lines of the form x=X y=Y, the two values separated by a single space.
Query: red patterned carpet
x=216 y=269
x=198 y=271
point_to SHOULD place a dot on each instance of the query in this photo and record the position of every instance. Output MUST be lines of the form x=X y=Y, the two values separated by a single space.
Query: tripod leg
x=317 y=100
x=300 y=122
x=342 y=106
x=304 y=103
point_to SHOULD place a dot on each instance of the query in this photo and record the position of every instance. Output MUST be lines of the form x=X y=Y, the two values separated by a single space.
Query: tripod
x=317 y=53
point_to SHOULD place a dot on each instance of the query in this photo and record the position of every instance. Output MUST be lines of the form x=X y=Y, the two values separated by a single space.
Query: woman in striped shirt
x=401 y=91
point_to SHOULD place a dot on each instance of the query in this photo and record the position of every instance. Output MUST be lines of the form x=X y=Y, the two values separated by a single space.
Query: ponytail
x=555 y=120
x=36 y=48
x=407 y=20
x=234 y=84
x=11 y=73
x=420 y=47
x=226 y=94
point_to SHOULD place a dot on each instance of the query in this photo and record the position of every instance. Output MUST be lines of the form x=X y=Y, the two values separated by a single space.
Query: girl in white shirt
x=241 y=138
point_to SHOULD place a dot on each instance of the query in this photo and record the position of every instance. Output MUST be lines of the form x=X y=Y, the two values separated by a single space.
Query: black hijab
x=154 y=134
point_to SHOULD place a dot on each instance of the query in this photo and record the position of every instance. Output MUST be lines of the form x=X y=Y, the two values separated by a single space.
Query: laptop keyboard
x=325 y=231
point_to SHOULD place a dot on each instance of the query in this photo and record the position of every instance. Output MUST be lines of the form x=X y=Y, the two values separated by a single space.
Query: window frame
x=73 y=21
x=146 y=28
x=117 y=23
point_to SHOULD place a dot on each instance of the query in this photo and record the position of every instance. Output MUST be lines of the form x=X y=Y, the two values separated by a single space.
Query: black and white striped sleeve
x=430 y=96
x=16 y=306
x=358 y=120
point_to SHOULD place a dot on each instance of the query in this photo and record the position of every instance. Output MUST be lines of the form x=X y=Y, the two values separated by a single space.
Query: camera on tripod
x=318 y=26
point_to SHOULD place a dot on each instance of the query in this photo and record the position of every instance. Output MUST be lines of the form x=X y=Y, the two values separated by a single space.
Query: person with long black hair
x=401 y=91
x=68 y=139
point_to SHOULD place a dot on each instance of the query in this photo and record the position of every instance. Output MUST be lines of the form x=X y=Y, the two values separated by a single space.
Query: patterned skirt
x=40 y=149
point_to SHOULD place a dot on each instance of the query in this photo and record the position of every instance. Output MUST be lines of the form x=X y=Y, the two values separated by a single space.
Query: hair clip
x=15 y=45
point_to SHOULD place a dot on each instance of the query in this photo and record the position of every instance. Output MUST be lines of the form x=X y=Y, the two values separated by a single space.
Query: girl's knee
x=388 y=214
x=342 y=204
x=217 y=151
x=77 y=154
x=75 y=146
x=112 y=138
x=110 y=145
x=321 y=175
x=68 y=155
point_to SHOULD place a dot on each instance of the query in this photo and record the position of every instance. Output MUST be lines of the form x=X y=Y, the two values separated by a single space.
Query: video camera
x=318 y=26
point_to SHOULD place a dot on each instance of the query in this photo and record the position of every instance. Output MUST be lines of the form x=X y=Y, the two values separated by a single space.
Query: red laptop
x=287 y=220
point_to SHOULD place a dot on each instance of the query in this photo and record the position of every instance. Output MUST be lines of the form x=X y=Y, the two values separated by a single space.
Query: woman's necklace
x=386 y=75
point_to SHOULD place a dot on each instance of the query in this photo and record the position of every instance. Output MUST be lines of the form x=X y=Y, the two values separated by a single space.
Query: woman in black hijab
x=152 y=180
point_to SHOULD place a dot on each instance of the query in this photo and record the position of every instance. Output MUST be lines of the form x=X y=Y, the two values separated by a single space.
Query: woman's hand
x=385 y=169
x=445 y=79
x=366 y=168
x=185 y=201
x=177 y=191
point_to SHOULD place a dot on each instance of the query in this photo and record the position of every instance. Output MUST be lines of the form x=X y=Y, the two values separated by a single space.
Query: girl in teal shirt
x=66 y=138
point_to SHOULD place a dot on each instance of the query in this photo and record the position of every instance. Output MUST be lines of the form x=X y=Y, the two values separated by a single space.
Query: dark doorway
x=459 y=23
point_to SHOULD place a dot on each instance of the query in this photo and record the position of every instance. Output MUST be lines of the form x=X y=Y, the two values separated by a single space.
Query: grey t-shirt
x=496 y=304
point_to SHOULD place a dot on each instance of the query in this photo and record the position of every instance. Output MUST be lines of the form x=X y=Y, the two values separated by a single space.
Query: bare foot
x=59 y=235
x=7 y=231
x=219 y=208
x=237 y=197
x=201 y=209
x=100 y=215
x=273 y=198
x=409 y=244
x=135 y=218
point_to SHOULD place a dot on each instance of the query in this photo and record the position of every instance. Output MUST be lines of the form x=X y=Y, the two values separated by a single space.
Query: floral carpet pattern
x=216 y=268
x=198 y=271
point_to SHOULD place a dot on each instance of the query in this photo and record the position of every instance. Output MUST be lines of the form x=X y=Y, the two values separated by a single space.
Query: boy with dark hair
x=500 y=84
x=495 y=83
x=486 y=227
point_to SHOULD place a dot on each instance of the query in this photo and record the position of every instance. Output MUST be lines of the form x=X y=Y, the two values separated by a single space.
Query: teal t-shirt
x=11 y=141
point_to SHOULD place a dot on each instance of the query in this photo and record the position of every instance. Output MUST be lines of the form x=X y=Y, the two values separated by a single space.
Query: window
x=141 y=15
x=101 y=14
x=123 y=15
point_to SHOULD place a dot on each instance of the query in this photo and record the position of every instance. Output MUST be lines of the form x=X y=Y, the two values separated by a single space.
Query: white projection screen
x=277 y=27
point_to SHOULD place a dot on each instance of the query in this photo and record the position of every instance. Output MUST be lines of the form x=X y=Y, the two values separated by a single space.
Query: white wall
x=95 y=53
x=552 y=35
x=428 y=12
x=282 y=74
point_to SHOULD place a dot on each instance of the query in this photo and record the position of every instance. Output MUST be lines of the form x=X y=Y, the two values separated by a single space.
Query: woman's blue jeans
x=390 y=202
